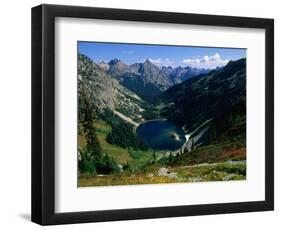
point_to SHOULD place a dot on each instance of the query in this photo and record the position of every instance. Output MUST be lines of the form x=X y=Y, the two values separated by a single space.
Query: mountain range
x=147 y=79
x=185 y=95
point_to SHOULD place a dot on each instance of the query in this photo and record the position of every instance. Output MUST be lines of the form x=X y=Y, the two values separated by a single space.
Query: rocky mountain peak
x=148 y=62
x=167 y=70
x=103 y=65
x=114 y=61
x=117 y=68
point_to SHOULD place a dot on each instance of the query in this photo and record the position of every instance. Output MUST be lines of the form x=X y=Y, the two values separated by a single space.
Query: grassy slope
x=234 y=151
x=207 y=163
x=224 y=171
x=120 y=155
x=136 y=158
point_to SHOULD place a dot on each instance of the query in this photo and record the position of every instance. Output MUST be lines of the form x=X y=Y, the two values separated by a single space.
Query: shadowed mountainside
x=219 y=95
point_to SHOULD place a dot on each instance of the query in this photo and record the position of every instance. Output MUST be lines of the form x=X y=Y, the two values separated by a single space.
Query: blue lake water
x=161 y=135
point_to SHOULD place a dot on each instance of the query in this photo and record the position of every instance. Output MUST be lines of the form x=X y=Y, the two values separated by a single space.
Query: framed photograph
x=142 y=114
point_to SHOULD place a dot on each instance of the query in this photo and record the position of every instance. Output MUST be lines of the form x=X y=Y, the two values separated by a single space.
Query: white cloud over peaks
x=209 y=62
x=155 y=61
x=161 y=62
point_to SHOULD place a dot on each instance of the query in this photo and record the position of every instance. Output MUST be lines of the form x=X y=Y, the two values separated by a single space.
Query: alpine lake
x=161 y=135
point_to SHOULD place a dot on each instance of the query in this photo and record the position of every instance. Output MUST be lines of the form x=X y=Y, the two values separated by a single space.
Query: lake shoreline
x=161 y=135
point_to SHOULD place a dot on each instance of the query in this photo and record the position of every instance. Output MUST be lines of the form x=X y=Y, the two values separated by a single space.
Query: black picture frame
x=43 y=114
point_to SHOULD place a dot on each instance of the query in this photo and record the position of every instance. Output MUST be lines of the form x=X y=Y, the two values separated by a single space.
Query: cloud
x=129 y=52
x=155 y=61
x=161 y=62
x=210 y=62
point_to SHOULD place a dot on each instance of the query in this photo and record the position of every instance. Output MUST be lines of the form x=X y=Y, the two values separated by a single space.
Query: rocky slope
x=106 y=92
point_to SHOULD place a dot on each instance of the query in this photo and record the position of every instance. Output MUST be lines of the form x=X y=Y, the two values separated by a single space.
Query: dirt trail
x=128 y=119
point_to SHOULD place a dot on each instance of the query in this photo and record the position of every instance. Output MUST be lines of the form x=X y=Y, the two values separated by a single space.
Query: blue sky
x=200 y=57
